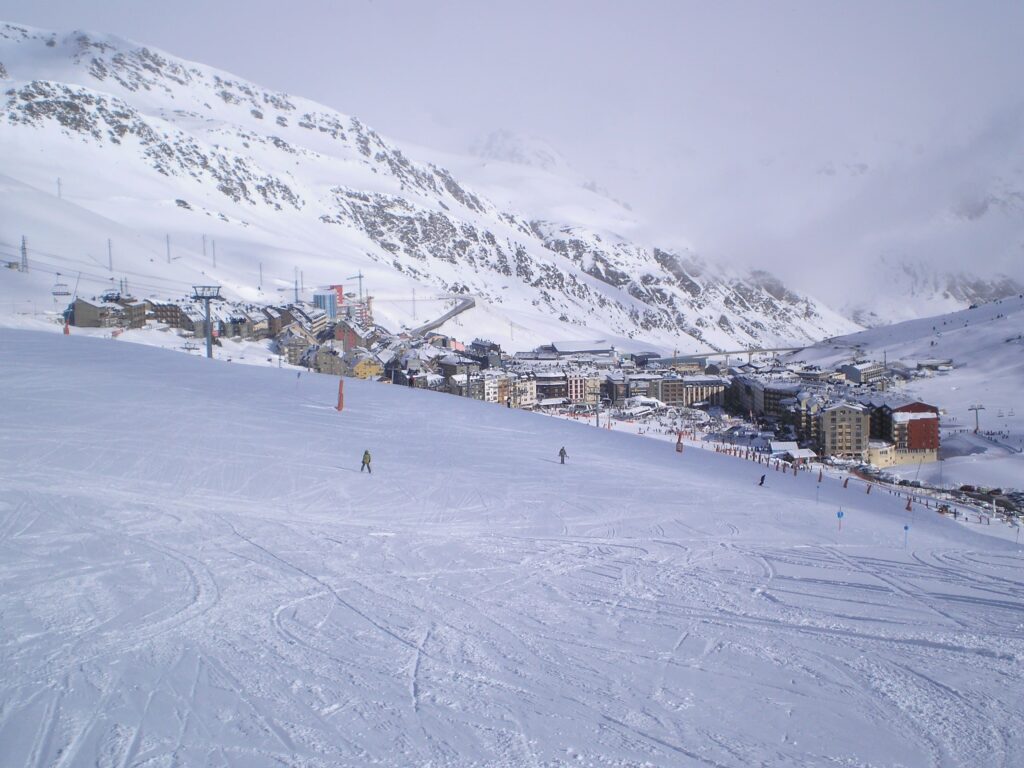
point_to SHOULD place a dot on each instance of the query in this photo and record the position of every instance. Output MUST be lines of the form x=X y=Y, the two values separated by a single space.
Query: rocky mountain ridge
x=267 y=164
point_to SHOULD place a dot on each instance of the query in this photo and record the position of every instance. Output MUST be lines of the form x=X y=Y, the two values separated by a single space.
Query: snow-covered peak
x=511 y=147
x=123 y=68
x=915 y=288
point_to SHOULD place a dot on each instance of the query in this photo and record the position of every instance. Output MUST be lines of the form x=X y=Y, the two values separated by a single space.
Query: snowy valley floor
x=193 y=572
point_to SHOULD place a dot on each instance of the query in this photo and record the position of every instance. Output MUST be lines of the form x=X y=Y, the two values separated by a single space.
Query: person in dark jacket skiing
x=762 y=480
x=366 y=462
x=562 y=454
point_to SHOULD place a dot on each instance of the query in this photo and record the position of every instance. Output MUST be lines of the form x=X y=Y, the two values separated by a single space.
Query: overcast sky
x=763 y=132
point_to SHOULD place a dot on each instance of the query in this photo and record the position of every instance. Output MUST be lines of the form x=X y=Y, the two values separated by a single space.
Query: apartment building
x=686 y=391
x=844 y=430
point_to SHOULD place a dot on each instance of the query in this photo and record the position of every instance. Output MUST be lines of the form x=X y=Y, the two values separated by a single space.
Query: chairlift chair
x=60 y=288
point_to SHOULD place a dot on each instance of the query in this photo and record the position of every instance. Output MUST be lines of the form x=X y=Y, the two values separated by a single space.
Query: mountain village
x=799 y=412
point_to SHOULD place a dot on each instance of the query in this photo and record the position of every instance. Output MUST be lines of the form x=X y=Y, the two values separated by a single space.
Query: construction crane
x=358 y=276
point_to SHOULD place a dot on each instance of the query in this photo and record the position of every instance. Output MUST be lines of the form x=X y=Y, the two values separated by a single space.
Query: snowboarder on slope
x=366 y=462
x=762 y=480
x=562 y=454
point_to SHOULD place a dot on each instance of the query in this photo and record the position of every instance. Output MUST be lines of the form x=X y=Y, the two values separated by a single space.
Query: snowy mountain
x=916 y=289
x=195 y=572
x=509 y=147
x=939 y=220
x=290 y=189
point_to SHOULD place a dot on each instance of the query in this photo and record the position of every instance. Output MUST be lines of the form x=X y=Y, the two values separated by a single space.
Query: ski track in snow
x=189 y=579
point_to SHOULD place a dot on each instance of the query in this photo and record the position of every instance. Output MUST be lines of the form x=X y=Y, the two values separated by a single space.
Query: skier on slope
x=762 y=480
x=562 y=454
x=366 y=462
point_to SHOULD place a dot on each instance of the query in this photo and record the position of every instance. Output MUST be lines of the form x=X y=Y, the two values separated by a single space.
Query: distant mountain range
x=914 y=289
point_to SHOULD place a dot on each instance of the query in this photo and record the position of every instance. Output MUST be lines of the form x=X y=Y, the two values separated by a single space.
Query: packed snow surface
x=194 y=572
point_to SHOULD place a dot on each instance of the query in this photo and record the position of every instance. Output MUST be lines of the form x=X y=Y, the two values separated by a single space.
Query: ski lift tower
x=206 y=294
x=976 y=408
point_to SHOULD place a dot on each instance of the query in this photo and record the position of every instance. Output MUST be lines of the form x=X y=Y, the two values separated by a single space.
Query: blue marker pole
x=906 y=533
x=839 y=515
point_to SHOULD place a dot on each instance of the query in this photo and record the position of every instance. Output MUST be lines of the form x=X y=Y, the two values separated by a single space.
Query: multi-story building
x=583 y=387
x=259 y=323
x=351 y=335
x=328 y=302
x=487 y=353
x=916 y=436
x=506 y=388
x=295 y=347
x=906 y=432
x=524 y=391
x=686 y=367
x=359 y=310
x=863 y=373
x=816 y=375
x=455 y=366
x=134 y=311
x=98 y=314
x=883 y=413
x=570 y=348
x=473 y=388
x=361 y=364
x=167 y=312
x=236 y=322
x=551 y=384
x=844 y=430
x=685 y=391
x=615 y=388
x=194 y=319
x=775 y=393
x=294 y=340
x=801 y=413
x=761 y=397
x=329 y=361
x=642 y=384
x=313 y=319
x=493 y=381
x=278 y=318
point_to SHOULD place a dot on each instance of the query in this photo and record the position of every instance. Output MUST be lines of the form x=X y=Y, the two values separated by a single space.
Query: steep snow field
x=194 y=572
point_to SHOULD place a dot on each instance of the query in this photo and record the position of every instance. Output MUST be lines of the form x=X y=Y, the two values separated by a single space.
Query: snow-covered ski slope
x=194 y=572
